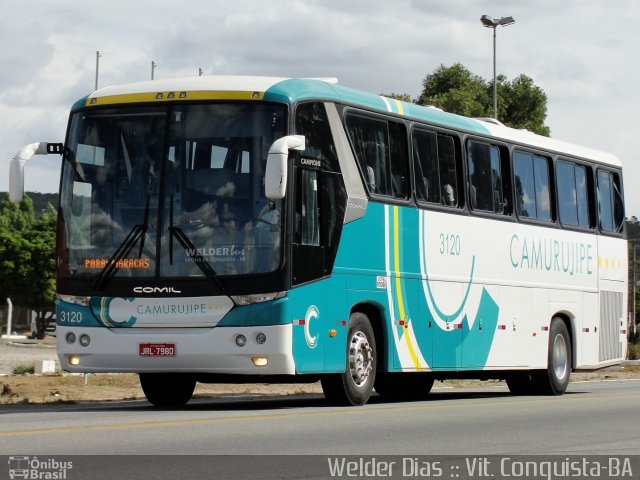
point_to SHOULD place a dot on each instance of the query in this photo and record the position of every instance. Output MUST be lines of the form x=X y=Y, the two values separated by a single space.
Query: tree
x=27 y=258
x=455 y=89
x=521 y=104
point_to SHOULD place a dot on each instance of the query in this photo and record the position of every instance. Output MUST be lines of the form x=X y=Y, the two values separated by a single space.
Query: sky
x=582 y=53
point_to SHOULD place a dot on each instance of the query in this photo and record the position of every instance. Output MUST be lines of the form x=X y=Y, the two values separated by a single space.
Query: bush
x=23 y=369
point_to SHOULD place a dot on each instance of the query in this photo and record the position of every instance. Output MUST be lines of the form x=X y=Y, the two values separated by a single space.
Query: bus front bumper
x=265 y=350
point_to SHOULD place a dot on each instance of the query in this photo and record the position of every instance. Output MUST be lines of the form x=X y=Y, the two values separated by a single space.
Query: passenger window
x=532 y=181
x=380 y=148
x=573 y=198
x=435 y=168
x=610 y=203
x=485 y=178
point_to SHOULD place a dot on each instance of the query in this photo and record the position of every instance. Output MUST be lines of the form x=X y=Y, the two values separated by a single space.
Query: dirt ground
x=71 y=388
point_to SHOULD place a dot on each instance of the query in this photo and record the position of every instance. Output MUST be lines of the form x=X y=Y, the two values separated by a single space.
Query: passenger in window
x=448 y=195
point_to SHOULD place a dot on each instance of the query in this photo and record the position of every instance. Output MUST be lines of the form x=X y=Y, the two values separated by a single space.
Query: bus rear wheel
x=170 y=390
x=354 y=386
x=555 y=379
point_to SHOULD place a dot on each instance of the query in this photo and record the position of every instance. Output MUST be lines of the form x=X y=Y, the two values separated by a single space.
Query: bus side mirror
x=275 y=181
x=16 y=166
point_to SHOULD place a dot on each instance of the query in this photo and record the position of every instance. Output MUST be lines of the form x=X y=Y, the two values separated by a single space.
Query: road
x=592 y=418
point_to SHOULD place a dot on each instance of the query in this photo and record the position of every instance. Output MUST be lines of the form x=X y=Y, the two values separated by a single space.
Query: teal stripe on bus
x=294 y=90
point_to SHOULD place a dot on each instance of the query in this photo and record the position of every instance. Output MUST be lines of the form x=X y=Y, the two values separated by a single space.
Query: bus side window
x=435 y=168
x=610 y=203
x=381 y=150
x=572 y=192
x=425 y=159
x=485 y=180
x=448 y=175
x=532 y=180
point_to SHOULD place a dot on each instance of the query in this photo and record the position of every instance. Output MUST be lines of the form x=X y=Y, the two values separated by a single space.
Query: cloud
x=579 y=52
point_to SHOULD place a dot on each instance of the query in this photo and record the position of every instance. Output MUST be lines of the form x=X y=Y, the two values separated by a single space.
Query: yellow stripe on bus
x=400 y=107
x=149 y=97
x=396 y=257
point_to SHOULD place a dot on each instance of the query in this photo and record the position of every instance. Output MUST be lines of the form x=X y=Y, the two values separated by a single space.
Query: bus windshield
x=169 y=191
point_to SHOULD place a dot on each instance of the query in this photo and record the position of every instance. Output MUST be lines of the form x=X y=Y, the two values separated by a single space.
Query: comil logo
x=38 y=469
x=156 y=290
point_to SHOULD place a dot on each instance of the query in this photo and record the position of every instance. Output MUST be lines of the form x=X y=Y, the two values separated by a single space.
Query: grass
x=23 y=369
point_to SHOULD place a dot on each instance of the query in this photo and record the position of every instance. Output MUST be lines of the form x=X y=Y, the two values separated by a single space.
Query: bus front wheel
x=354 y=386
x=170 y=390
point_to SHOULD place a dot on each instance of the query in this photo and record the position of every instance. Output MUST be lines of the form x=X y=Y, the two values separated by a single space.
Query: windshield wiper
x=138 y=232
x=191 y=250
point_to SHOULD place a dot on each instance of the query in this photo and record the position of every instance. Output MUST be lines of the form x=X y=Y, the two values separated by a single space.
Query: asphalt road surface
x=592 y=418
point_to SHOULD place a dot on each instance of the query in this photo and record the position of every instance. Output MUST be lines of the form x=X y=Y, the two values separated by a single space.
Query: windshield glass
x=170 y=192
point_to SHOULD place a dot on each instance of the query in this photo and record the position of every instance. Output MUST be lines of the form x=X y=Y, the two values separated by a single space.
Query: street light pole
x=491 y=22
x=98 y=55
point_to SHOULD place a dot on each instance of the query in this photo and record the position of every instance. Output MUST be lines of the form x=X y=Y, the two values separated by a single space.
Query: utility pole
x=153 y=68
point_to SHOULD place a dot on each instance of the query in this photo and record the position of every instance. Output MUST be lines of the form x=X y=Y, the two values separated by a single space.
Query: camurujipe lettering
x=173 y=309
x=547 y=255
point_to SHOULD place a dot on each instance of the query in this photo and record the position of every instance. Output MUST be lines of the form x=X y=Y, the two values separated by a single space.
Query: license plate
x=157 y=349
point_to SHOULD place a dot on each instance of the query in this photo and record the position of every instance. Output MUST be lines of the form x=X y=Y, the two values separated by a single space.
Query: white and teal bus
x=225 y=229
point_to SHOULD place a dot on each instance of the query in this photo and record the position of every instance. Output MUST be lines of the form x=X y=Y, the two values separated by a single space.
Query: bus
x=242 y=229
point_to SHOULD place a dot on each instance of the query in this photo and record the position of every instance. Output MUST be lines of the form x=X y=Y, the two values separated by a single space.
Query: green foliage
x=27 y=255
x=455 y=89
x=521 y=104
x=23 y=369
x=403 y=97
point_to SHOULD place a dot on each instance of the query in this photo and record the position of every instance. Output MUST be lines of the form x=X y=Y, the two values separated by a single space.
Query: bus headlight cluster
x=84 y=340
x=241 y=340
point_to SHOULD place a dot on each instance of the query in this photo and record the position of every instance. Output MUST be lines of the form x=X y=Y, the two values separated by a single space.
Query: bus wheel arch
x=355 y=385
x=374 y=313
x=555 y=378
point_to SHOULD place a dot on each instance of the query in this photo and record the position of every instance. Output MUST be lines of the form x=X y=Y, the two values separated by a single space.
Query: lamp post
x=491 y=22
x=98 y=55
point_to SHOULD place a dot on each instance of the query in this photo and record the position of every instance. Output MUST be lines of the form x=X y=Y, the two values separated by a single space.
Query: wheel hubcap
x=560 y=360
x=360 y=358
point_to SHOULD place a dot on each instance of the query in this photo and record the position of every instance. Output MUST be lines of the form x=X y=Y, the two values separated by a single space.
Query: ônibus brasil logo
x=40 y=469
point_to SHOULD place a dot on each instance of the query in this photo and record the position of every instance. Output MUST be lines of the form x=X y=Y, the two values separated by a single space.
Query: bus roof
x=290 y=90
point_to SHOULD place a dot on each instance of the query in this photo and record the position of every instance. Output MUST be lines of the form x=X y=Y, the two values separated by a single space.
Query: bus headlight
x=71 y=338
x=256 y=298
x=241 y=340
x=85 y=340
x=261 y=338
x=260 y=361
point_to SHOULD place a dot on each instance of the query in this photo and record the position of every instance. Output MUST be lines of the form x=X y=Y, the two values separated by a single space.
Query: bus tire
x=404 y=385
x=169 y=390
x=520 y=383
x=354 y=386
x=555 y=379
